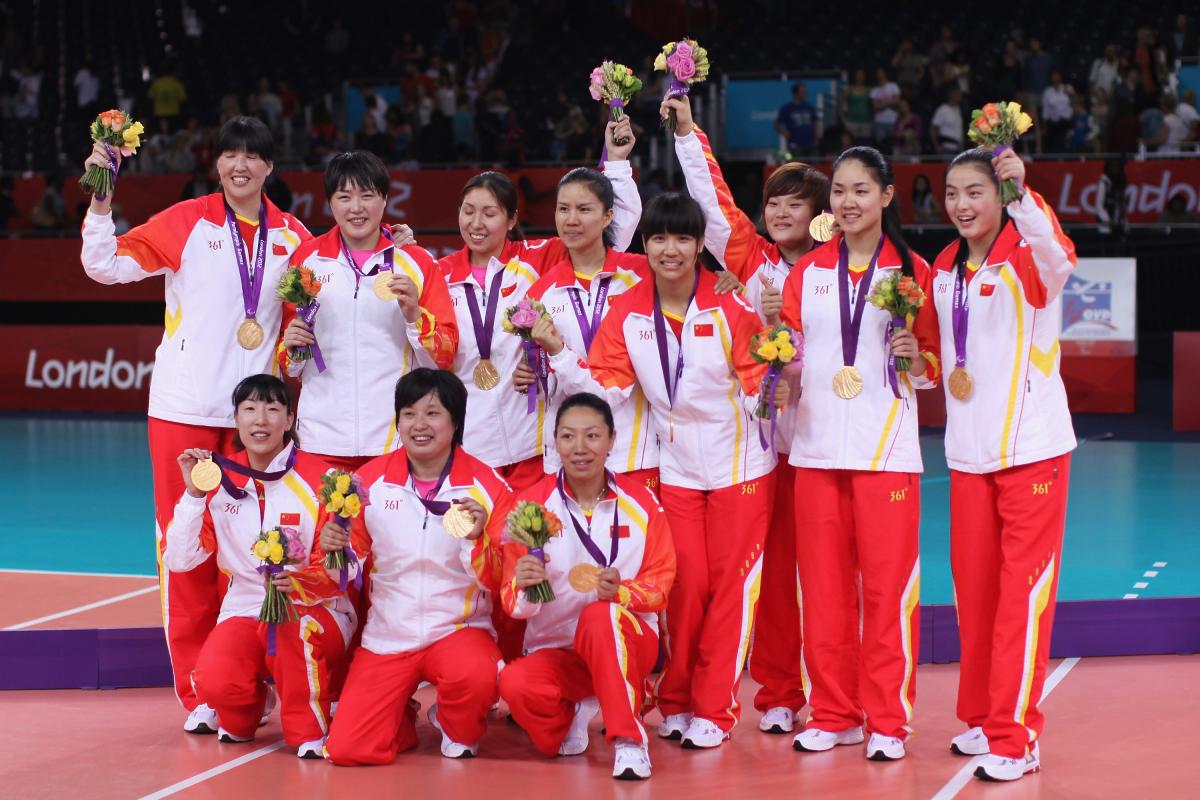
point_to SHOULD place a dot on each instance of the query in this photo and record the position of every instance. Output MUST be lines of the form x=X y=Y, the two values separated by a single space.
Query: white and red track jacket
x=732 y=237
x=367 y=344
x=876 y=430
x=645 y=559
x=1017 y=412
x=426 y=584
x=199 y=360
x=225 y=527
x=709 y=440
x=636 y=446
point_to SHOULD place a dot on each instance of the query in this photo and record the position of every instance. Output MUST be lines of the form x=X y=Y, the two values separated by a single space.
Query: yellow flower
x=1024 y=122
x=132 y=136
x=660 y=62
x=353 y=506
x=343 y=484
x=768 y=351
x=1013 y=108
x=787 y=352
x=784 y=336
x=275 y=553
x=336 y=501
x=261 y=550
x=273 y=536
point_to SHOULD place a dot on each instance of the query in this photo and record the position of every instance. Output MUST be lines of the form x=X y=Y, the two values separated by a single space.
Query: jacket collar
x=461 y=473
x=826 y=256
x=214 y=211
x=331 y=244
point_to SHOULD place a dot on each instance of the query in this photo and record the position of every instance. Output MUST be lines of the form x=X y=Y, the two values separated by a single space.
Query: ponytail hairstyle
x=881 y=171
x=982 y=159
x=598 y=184
x=502 y=188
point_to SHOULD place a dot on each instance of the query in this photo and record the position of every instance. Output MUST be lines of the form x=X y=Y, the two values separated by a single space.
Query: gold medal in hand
x=584 y=578
x=206 y=475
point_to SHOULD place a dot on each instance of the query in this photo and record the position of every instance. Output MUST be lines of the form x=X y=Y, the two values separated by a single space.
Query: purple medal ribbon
x=613 y=105
x=251 y=286
x=593 y=549
x=228 y=465
x=270 y=570
x=851 y=325
x=436 y=507
x=308 y=314
x=896 y=324
x=770 y=380
x=113 y=167
x=485 y=325
x=589 y=330
x=660 y=336
x=960 y=311
x=388 y=259
x=535 y=356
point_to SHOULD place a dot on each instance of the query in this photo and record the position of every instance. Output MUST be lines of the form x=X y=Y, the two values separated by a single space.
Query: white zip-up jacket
x=645 y=559
x=199 y=360
x=709 y=440
x=367 y=345
x=226 y=528
x=1017 y=412
x=425 y=584
x=875 y=430
x=636 y=446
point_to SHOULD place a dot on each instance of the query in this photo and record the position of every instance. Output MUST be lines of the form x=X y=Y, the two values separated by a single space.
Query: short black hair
x=357 y=168
x=246 y=133
x=673 y=212
x=267 y=389
x=449 y=389
x=586 y=400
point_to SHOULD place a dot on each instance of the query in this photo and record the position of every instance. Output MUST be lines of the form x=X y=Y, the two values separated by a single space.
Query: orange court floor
x=1116 y=727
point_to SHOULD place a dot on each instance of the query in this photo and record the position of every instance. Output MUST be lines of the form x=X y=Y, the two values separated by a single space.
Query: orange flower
x=992 y=114
x=113 y=119
x=982 y=124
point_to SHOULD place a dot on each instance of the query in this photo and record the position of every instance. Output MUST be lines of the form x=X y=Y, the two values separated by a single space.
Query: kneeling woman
x=269 y=484
x=611 y=569
x=430 y=591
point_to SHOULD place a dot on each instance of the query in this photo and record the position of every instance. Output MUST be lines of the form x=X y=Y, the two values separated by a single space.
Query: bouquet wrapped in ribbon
x=900 y=296
x=300 y=287
x=519 y=320
x=614 y=84
x=998 y=125
x=776 y=346
x=113 y=129
x=532 y=525
x=344 y=496
x=277 y=548
x=687 y=63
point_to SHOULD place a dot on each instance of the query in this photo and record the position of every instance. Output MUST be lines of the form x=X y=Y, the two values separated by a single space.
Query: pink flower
x=683 y=50
x=523 y=315
x=597 y=83
x=296 y=551
x=683 y=68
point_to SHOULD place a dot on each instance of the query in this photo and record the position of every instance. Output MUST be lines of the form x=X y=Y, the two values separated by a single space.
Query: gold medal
x=486 y=376
x=847 y=383
x=821 y=227
x=206 y=475
x=584 y=578
x=458 y=522
x=961 y=384
x=382 y=288
x=250 y=334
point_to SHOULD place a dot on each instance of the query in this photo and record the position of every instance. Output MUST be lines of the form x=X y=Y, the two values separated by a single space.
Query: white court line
x=88 y=574
x=1160 y=564
x=79 y=609
x=1150 y=574
x=964 y=775
x=1130 y=597
x=1141 y=585
x=200 y=777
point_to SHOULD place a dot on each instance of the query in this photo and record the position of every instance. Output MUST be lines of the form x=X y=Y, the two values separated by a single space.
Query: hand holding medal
x=200 y=473
x=465 y=519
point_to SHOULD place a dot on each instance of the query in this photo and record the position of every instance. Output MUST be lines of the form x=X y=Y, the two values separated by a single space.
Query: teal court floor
x=79 y=501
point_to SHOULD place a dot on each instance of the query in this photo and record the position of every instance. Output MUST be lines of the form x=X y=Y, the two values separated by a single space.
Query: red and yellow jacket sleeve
x=486 y=554
x=791 y=313
x=152 y=248
x=437 y=329
x=745 y=324
x=924 y=325
x=511 y=553
x=313 y=583
x=647 y=592
x=609 y=361
x=1045 y=257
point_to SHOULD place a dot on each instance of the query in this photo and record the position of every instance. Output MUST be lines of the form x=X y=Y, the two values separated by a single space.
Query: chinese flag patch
x=622 y=531
x=702 y=330
x=505 y=291
x=987 y=289
x=278 y=250
x=289 y=519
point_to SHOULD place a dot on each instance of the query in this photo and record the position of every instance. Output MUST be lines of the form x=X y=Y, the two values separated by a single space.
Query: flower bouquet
x=532 y=525
x=900 y=296
x=998 y=125
x=300 y=287
x=687 y=63
x=519 y=319
x=776 y=346
x=277 y=548
x=614 y=84
x=344 y=496
x=117 y=129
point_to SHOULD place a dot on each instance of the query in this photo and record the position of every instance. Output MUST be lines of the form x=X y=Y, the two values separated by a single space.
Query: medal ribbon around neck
x=660 y=336
x=593 y=549
x=251 y=283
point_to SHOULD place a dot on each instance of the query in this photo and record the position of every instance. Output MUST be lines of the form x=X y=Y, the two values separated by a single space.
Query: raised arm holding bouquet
x=687 y=63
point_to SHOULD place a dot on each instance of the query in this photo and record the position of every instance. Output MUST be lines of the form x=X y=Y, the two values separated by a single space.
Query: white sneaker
x=703 y=734
x=314 y=749
x=632 y=760
x=272 y=700
x=227 y=737
x=450 y=748
x=576 y=741
x=777 y=720
x=201 y=720
x=813 y=740
x=971 y=742
x=884 y=748
x=998 y=768
x=674 y=726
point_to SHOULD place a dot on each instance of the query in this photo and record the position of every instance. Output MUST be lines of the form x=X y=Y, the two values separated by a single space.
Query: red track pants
x=234 y=663
x=374 y=721
x=718 y=539
x=776 y=660
x=611 y=658
x=1006 y=533
x=191 y=601
x=853 y=526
